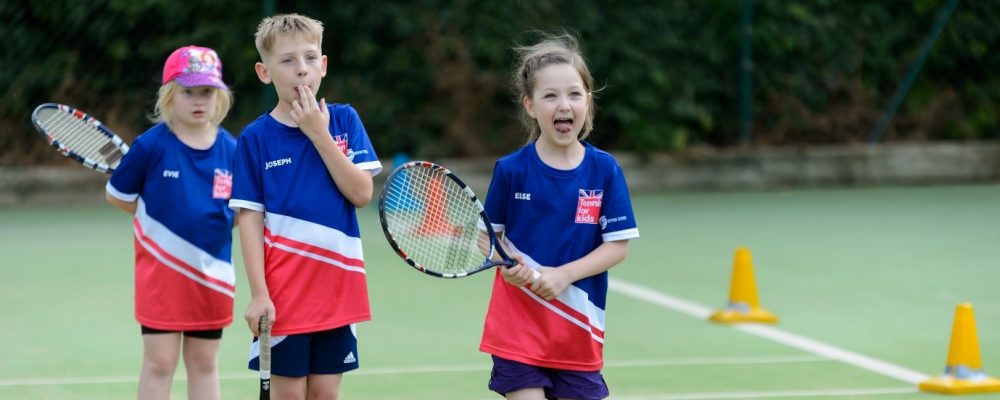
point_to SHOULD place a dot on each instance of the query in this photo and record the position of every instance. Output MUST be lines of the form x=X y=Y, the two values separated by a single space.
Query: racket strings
x=80 y=137
x=434 y=221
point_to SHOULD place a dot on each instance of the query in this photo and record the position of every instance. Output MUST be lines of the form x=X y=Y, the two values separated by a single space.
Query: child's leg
x=526 y=394
x=288 y=387
x=324 y=386
x=159 y=360
x=200 y=360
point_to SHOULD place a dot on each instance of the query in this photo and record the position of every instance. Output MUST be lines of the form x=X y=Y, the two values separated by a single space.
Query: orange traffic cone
x=964 y=372
x=435 y=221
x=743 y=303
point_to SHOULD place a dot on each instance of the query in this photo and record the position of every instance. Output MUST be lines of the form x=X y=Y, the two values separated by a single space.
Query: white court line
x=434 y=369
x=769 y=332
x=716 y=361
x=771 y=394
x=632 y=290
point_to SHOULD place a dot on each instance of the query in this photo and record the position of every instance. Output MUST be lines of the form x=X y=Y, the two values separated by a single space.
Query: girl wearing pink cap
x=176 y=181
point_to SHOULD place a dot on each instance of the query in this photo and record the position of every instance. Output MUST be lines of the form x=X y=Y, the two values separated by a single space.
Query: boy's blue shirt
x=313 y=259
x=277 y=166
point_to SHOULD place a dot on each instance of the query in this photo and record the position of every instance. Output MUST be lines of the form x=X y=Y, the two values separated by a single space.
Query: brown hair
x=553 y=49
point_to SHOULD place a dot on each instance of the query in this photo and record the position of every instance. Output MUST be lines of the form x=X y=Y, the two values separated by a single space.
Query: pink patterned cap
x=194 y=66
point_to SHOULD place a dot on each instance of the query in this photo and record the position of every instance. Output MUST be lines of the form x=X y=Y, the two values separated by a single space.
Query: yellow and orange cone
x=964 y=372
x=744 y=305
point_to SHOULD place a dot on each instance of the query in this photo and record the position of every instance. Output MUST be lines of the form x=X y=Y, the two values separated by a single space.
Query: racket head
x=79 y=136
x=265 y=357
x=435 y=223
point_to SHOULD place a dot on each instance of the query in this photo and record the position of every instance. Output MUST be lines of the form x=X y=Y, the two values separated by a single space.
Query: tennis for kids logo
x=222 y=186
x=588 y=206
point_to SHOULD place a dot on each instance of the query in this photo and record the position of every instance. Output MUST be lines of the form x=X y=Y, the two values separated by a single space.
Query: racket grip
x=535 y=275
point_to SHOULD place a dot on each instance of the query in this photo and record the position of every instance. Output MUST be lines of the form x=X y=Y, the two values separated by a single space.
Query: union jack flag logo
x=341 y=142
x=588 y=206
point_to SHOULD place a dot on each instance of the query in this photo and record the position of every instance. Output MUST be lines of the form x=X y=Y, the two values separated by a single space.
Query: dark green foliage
x=430 y=77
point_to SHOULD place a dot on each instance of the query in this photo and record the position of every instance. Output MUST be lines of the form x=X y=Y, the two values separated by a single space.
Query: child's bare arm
x=554 y=280
x=126 y=206
x=314 y=120
x=251 y=225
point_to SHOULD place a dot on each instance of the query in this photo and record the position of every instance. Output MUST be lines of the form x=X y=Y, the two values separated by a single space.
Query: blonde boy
x=301 y=171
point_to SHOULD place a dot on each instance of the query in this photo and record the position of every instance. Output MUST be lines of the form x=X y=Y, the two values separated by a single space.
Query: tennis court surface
x=865 y=283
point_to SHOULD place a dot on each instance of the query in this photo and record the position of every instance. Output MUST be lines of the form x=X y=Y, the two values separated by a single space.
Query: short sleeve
x=247 y=188
x=360 y=149
x=128 y=180
x=497 y=198
x=617 y=219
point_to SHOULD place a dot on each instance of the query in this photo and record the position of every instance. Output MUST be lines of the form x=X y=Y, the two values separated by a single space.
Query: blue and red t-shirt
x=313 y=262
x=551 y=217
x=184 y=278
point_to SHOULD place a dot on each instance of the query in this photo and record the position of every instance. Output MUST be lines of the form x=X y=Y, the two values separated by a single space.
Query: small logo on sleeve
x=588 y=206
x=522 y=196
x=222 y=185
x=605 y=221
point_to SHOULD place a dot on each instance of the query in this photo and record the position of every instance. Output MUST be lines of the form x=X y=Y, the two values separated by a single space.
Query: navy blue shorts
x=327 y=352
x=508 y=376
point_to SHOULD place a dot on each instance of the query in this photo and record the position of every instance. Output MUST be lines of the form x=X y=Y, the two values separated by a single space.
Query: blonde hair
x=276 y=25
x=553 y=49
x=163 y=111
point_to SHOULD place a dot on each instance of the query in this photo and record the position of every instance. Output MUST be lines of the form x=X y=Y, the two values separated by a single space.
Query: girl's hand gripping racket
x=434 y=222
x=79 y=136
x=264 y=341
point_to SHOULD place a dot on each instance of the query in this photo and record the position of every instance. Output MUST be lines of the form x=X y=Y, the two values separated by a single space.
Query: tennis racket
x=436 y=224
x=79 y=136
x=264 y=341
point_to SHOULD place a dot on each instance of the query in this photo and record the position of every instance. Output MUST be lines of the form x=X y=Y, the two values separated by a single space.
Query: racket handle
x=535 y=275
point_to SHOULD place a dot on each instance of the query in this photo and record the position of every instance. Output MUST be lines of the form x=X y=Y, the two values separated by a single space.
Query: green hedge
x=431 y=77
